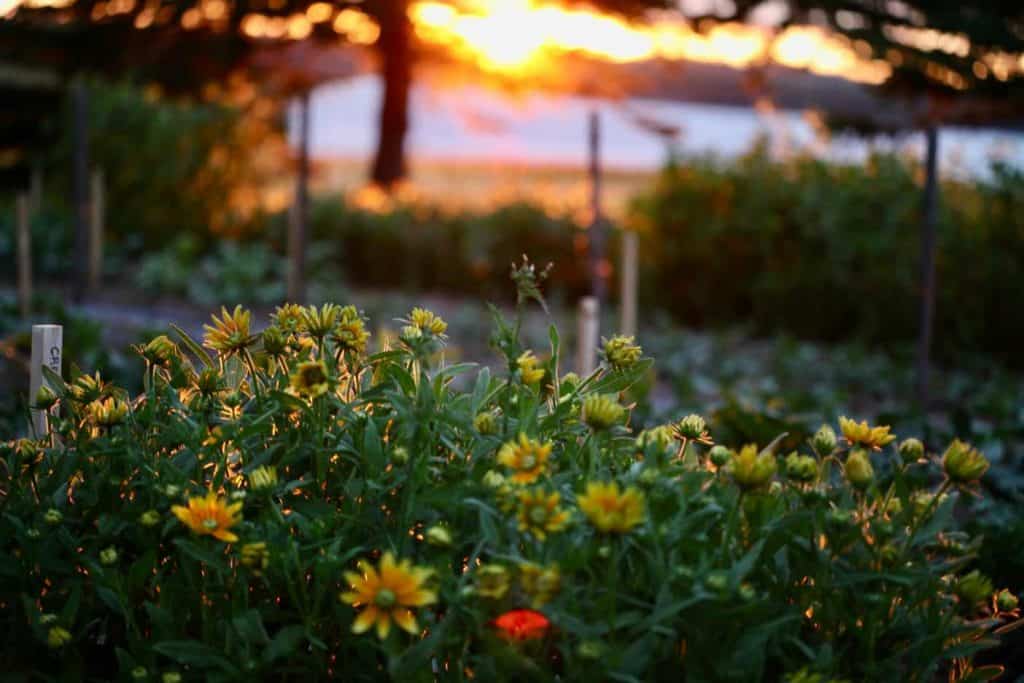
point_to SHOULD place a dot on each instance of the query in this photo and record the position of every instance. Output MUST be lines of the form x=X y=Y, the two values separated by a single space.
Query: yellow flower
x=351 y=334
x=491 y=581
x=310 y=379
x=289 y=318
x=751 y=469
x=321 y=322
x=612 y=510
x=159 y=350
x=861 y=433
x=427 y=321
x=539 y=513
x=528 y=370
x=601 y=411
x=87 y=388
x=210 y=515
x=230 y=333
x=528 y=458
x=255 y=556
x=386 y=594
x=621 y=353
x=108 y=412
x=540 y=584
x=263 y=478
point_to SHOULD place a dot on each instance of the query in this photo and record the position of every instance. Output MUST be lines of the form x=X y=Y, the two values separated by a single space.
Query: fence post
x=47 y=349
x=587 y=335
x=298 y=217
x=628 y=295
x=96 y=226
x=595 y=235
x=24 y=241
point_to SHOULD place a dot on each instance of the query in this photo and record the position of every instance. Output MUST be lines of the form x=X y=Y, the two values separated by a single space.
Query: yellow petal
x=225 y=535
x=405 y=620
x=182 y=513
x=383 y=625
x=365 y=620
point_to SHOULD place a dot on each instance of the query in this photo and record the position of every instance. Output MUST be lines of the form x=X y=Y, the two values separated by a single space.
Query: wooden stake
x=47 y=349
x=588 y=330
x=24 y=240
x=928 y=228
x=628 y=295
x=297 y=228
x=596 y=232
x=96 y=227
x=80 y=184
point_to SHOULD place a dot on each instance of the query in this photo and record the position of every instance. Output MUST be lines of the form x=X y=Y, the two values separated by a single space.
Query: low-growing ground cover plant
x=284 y=504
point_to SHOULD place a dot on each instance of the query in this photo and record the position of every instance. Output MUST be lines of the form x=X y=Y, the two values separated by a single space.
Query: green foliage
x=830 y=251
x=541 y=548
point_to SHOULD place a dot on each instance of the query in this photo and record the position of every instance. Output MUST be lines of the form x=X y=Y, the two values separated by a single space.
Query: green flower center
x=528 y=461
x=538 y=515
x=210 y=524
x=385 y=598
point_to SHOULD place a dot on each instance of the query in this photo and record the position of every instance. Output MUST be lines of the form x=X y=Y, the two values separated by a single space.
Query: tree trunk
x=396 y=66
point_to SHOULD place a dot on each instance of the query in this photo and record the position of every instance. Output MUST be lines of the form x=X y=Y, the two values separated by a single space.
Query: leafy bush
x=817 y=249
x=294 y=507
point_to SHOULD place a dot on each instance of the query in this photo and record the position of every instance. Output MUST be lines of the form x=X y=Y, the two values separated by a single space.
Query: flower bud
x=747 y=592
x=159 y=350
x=45 y=398
x=58 y=637
x=911 y=450
x=108 y=556
x=604 y=552
x=171 y=677
x=858 y=469
x=752 y=470
x=824 y=441
x=802 y=468
x=570 y=381
x=263 y=478
x=962 y=463
x=621 y=353
x=692 y=427
x=439 y=536
x=53 y=517
x=590 y=649
x=492 y=581
x=719 y=455
x=411 y=333
x=47 y=619
x=717 y=581
x=660 y=436
x=493 y=479
x=172 y=491
x=400 y=455
x=139 y=673
x=486 y=423
x=149 y=518
x=649 y=476
x=274 y=341
x=973 y=588
x=1006 y=601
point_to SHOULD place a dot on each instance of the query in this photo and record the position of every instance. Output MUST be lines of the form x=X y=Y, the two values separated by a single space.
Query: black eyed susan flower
x=527 y=458
x=427 y=321
x=861 y=434
x=263 y=478
x=612 y=510
x=540 y=514
x=290 y=318
x=228 y=334
x=87 y=388
x=350 y=333
x=529 y=371
x=540 y=584
x=159 y=350
x=108 y=412
x=750 y=469
x=387 y=594
x=320 y=322
x=310 y=379
x=491 y=581
x=210 y=515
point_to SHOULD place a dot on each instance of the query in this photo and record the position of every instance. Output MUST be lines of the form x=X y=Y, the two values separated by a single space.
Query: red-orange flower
x=522 y=624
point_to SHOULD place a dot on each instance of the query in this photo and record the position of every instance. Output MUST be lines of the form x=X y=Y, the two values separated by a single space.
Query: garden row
x=283 y=503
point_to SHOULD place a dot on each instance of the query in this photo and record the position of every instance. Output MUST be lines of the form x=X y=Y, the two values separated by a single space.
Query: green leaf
x=195 y=653
x=285 y=643
x=193 y=346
